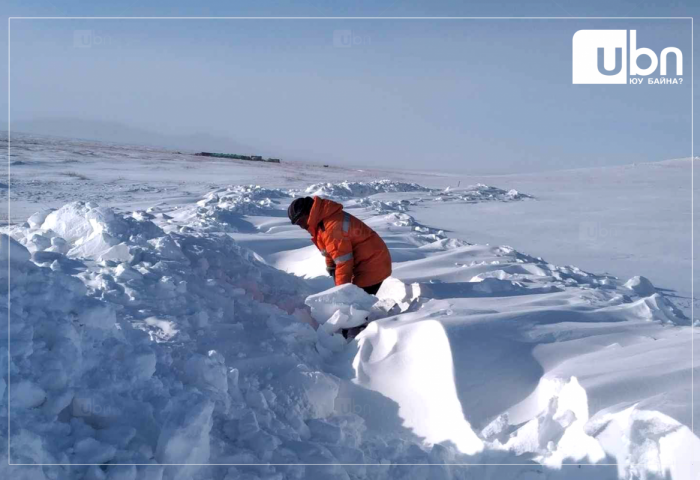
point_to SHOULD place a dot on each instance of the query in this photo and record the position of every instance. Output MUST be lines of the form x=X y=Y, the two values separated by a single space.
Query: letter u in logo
x=601 y=62
x=590 y=48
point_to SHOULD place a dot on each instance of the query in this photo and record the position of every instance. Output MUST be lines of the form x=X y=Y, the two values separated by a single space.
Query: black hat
x=299 y=207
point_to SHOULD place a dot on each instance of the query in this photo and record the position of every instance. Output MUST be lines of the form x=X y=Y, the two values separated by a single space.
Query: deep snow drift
x=205 y=332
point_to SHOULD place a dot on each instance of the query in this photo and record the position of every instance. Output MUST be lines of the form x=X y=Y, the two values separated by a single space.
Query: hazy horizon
x=233 y=147
x=455 y=96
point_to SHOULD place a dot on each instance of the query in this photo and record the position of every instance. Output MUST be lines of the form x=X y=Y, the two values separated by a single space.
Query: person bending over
x=354 y=252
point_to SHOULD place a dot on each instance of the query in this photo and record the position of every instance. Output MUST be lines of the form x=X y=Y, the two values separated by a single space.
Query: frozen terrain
x=167 y=322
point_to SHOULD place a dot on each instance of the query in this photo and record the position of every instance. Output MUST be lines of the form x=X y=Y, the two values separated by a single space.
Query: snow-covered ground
x=164 y=312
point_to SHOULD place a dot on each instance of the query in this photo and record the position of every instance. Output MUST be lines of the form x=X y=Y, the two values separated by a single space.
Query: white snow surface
x=158 y=333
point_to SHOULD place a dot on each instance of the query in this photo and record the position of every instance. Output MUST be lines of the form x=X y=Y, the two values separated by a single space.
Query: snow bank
x=225 y=209
x=160 y=358
x=414 y=367
x=479 y=193
x=361 y=189
x=384 y=207
x=564 y=433
x=177 y=347
x=243 y=199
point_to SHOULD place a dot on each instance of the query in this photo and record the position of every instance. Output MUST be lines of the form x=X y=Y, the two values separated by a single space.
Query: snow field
x=152 y=337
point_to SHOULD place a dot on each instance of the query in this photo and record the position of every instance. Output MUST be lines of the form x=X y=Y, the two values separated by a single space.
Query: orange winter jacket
x=359 y=254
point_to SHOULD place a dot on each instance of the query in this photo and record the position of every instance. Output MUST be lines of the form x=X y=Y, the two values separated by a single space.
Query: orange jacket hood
x=320 y=210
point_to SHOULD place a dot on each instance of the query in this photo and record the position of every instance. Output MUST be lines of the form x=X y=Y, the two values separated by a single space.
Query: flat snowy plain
x=165 y=312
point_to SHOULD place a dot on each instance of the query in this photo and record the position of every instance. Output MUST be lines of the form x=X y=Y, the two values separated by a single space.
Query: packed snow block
x=38 y=242
x=167 y=248
x=185 y=436
x=208 y=373
x=325 y=432
x=90 y=450
x=352 y=303
x=633 y=437
x=38 y=218
x=91 y=230
x=641 y=286
x=263 y=444
x=291 y=329
x=118 y=253
x=321 y=464
x=660 y=308
x=97 y=315
x=141 y=363
x=76 y=221
x=314 y=391
x=352 y=456
x=559 y=430
x=327 y=342
x=11 y=251
x=122 y=472
x=26 y=394
x=401 y=294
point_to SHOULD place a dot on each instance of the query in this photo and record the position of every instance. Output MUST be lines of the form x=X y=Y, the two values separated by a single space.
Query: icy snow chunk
x=255 y=399
x=165 y=329
x=58 y=245
x=349 y=299
x=122 y=472
x=124 y=272
x=101 y=316
x=26 y=394
x=399 y=292
x=117 y=253
x=337 y=321
x=207 y=372
x=291 y=329
x=11 y=250
x=315 y=391
x=39 y=242
x=328 y=342
x=635 y=437
x=89 y=450
x=559 y=431
x=142 y=363
x=641 y=286
x=185 y=435
x=167 y=248
x=91 y=230
x=78 y=220
x=93 y=245
x=325 y=432
x=38 y=218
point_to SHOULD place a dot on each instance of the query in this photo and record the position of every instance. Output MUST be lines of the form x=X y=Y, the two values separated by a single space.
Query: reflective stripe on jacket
x=360 y=255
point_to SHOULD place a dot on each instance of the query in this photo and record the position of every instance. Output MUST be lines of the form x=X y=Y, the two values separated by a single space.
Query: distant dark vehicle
x=252 y=158
x=326 y=166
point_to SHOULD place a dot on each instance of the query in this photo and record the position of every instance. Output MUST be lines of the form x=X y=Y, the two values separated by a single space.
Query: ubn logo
x=600 y=56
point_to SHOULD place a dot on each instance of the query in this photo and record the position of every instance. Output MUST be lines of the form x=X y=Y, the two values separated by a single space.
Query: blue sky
x=482 y=96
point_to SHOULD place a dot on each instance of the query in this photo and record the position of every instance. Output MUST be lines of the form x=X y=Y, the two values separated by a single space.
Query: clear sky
x=482 y=96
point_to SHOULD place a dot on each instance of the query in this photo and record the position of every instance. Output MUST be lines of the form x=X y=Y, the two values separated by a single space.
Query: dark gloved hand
x=331 y=271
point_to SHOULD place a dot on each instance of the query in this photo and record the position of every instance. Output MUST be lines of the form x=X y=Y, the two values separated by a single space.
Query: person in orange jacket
x=354 y=252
